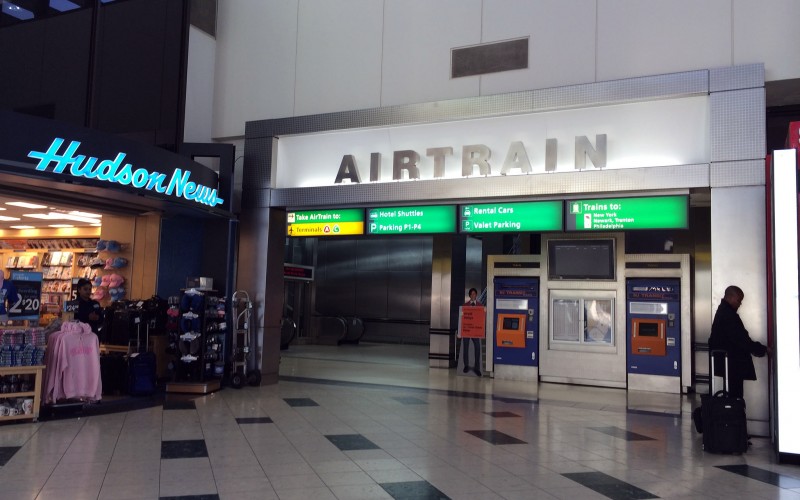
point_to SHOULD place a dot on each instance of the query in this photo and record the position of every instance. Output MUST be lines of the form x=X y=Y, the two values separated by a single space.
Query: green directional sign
x=412 y=220
x=512 y=217
x=620 y=214
x=325 y=222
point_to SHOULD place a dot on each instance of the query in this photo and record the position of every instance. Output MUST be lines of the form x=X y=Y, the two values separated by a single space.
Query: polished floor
x=371 y=422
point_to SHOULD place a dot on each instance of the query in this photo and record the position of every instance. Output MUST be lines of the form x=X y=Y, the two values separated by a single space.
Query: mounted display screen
x=614 y=214
x=580 y=259
x=325 y=222
x=412 y=220
x=648 y=329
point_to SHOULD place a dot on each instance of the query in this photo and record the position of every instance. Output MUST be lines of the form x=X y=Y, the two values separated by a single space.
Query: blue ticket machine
x=516 y=321
x=654 y=334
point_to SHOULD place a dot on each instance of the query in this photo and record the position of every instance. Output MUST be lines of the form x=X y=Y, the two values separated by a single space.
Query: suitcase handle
x=725 y=377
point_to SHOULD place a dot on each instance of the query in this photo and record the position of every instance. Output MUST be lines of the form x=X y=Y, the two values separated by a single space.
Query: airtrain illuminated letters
x=472 y=156
x=117 y=172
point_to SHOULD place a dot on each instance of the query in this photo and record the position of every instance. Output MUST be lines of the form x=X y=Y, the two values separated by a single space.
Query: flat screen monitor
x=581 y=259
x=648 y=329
x=510 y=323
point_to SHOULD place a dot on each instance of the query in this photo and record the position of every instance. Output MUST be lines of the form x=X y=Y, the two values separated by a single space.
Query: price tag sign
x=73 y=291
x=71 y=306
x=29 y=294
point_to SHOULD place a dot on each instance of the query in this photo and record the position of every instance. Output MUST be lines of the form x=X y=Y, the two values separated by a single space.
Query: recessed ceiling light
x=24 y=204
x=60 y=216
x=5 y=217
x=61 y=225
x=22 y=227
x=85 y=214
x=56 y=215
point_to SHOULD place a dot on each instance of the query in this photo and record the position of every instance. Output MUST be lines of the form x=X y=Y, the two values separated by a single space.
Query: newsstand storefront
x=138 y=222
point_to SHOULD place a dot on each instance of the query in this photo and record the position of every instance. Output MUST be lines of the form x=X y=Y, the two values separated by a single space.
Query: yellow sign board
x=325 y=229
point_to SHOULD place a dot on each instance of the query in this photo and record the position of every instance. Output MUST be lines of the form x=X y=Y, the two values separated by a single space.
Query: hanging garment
x=73 y=364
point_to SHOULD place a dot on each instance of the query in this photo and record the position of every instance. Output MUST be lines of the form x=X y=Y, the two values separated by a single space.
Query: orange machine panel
x=649 y=337
x=511 y=330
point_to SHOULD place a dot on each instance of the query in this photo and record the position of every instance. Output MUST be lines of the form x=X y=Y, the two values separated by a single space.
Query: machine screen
x=648 y=329
x=510 y=323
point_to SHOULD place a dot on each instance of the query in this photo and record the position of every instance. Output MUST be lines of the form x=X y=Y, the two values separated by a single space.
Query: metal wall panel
x=501 y=187
x=735 y=77
x=405 y=290
x=738 y=125
x=473 y=275
x=572 y=96
x=643 y=38
x=739 y=258
x=382 y=278
x=546 y=23
x=372 y=280
x=738 y=173
x=258 y=161
x=337 y=38
x=335 y=286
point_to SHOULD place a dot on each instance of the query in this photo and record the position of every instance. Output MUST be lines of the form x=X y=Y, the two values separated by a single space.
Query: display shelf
x=208 y=346
x=35 y=394
x=6 y=395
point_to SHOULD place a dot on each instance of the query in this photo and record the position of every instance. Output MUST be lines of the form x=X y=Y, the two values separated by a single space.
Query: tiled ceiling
x=43 y=215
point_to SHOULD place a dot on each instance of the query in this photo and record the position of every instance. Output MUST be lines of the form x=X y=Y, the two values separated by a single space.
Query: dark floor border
x=473 y=395
x=443 y=392
x=73 y=410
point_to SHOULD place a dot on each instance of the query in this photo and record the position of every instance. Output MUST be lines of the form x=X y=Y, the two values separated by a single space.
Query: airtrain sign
x=405 y=163
x=572 y=141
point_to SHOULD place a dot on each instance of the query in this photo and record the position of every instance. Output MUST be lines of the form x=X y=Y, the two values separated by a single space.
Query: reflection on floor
x=369 y=421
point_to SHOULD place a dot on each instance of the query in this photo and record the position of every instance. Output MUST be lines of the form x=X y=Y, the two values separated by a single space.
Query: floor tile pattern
x=609 y=486
x=413 y=489
x=349 y=442
x=300 y=402
x=502 y=414
x=188 y=448
x=179 y=404
x=763 y=475
x=6 y=452
x=621 y=433
x=554 y=447
x=192 y=497
x=496 y=437
x=253 y=420
x=410 y=401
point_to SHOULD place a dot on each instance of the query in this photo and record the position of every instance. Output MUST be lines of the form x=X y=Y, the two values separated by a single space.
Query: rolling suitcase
x=142 y=374
x=724 y=420
x=142 y=377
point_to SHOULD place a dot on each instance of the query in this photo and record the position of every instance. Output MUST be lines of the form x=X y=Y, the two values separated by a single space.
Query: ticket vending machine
x=654 y=334
x=516 y=327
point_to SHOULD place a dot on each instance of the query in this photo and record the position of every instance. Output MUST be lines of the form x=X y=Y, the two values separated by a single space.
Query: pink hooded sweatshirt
x=74 y=369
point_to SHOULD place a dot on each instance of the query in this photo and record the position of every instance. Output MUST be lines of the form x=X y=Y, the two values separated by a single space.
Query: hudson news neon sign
x=117 y=172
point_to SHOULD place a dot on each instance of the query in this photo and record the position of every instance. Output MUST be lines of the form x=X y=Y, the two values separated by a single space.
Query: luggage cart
x=242 y=367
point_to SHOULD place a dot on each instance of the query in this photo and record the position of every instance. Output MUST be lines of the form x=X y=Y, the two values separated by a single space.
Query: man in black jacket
x=728 y=333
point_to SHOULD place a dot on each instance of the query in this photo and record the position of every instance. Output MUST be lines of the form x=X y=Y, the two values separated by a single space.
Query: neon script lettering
x=118 y=172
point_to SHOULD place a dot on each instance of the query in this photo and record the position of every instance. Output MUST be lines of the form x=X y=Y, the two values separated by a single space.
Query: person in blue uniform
x=728 y=333
x=89 y=310
x=8 y=296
